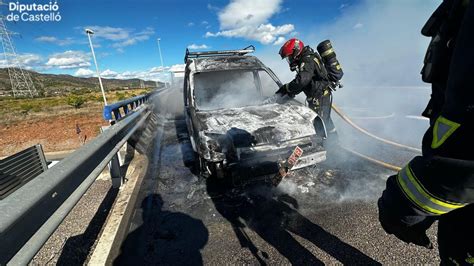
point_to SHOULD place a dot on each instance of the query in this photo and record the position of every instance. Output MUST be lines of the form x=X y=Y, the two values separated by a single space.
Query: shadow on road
x=273 y=217
x=164 y=237
x=77 y=248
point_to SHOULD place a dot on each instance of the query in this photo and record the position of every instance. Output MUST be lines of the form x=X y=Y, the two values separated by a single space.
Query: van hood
x=268 y=123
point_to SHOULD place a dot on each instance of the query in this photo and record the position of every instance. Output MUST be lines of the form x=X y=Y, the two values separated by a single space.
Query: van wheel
x=211 y=170
x=203 y=168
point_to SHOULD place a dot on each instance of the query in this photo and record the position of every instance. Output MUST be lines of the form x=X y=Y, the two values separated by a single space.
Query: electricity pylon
x=22 y=85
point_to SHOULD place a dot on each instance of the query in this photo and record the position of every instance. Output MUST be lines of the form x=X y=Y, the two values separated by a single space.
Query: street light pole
x=89 y=32
x=161 y=57
x=159 y=49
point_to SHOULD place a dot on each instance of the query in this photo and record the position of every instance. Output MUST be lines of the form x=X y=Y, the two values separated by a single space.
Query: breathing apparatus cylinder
x=330 y=61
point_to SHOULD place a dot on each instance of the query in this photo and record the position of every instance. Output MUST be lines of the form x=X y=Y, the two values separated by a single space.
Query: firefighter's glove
x=392 y=224
x=282 y=90
x=293 y=67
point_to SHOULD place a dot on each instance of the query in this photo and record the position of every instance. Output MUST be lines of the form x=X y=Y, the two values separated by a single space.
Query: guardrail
x=32 y=213
x=118 y=110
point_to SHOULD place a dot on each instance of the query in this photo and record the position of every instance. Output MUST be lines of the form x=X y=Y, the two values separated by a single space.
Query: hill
x=51 y=84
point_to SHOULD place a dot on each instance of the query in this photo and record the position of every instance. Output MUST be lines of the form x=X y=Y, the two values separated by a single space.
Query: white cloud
x=46 y=39
x=135 y=38
x=249 y=19
x=69 y=59
x=212 y=8
x=205 y=24
x=158 y=69
x=108 y=74
x=197 y=47
x=26 y=61
x=279 y=41
x=153 y=74
x=177 y=68
x=55 y=40
x=190 y=24
x=122 y=37
x=84 y=73
x=358 y=25
x=240 y=13
x=265 y=33
x=110 y=33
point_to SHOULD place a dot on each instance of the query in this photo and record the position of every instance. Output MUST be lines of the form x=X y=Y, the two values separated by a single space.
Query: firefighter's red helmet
x=291 y=49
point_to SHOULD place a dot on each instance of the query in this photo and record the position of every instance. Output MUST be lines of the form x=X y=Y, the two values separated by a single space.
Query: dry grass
x=16 y=110
x=52 y=122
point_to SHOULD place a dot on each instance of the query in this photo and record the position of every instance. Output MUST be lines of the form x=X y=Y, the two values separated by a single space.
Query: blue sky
x=127 y=30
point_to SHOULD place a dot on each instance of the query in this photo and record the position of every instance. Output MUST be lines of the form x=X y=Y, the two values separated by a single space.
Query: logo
x=33 y=12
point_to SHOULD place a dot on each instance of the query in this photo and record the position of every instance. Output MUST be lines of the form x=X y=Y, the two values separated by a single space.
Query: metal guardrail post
x=115 y=171
x=42 y=157
x=114 y=166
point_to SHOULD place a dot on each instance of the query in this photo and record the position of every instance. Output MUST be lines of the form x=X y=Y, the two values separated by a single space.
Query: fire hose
x=381 y=163
x=350 y=122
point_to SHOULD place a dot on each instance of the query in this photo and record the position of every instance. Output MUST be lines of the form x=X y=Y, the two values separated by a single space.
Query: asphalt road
x=320 y=215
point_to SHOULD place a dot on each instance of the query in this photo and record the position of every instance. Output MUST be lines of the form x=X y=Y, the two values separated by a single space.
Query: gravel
x=76 y=235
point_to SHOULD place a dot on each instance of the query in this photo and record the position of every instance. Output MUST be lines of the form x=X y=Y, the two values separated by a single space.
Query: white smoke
x=381 y=50
x=230 y=89
x=378 y=42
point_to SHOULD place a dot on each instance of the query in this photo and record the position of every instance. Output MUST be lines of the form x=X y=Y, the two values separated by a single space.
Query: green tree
x=76 y=101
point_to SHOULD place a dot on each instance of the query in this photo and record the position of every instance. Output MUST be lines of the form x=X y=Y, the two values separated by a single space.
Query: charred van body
x=233 y=129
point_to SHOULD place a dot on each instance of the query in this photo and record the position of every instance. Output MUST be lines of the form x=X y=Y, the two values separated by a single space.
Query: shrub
x=121 y=96
x=76 y=101
x=26 y=107
x=80 y=91
x=36 y=108
x=98 y=98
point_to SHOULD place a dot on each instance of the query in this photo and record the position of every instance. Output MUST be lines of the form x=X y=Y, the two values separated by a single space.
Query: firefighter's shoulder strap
x=321 y=70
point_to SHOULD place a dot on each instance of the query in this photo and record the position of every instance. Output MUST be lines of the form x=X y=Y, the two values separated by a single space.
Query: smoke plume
x=381 y=50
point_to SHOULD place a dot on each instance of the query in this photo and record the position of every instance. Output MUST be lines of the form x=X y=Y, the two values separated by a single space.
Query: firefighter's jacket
x=442 y=179
x=311 y=77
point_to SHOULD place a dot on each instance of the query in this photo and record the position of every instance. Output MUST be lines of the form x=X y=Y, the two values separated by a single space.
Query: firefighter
x=439 y=185
x=311 y=78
